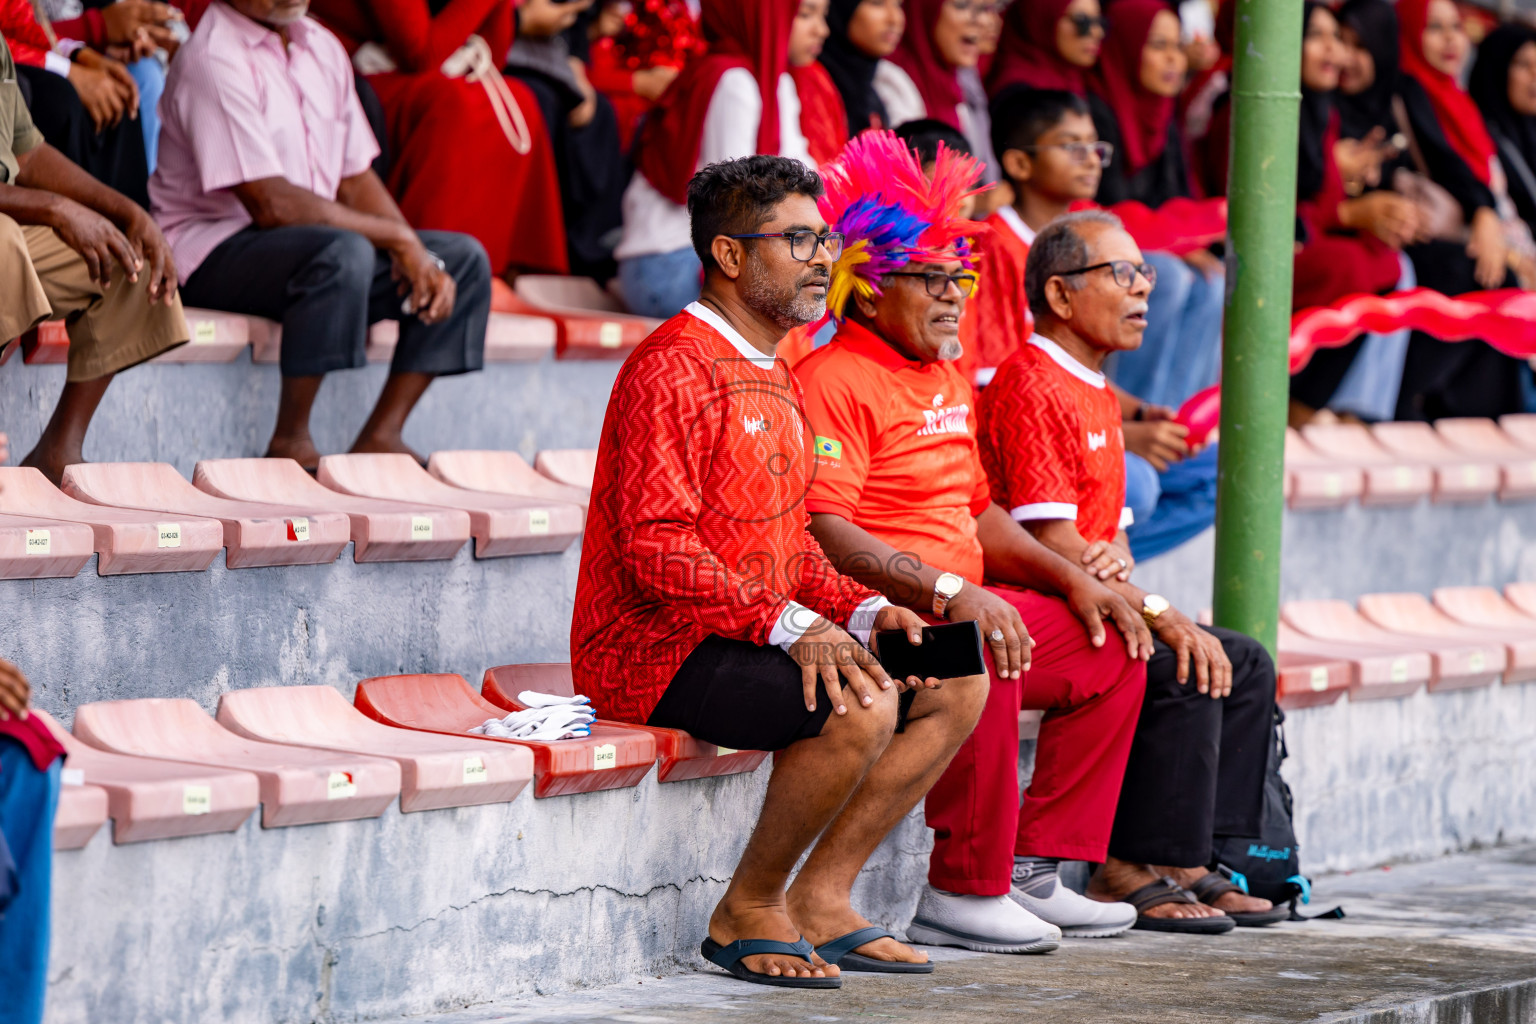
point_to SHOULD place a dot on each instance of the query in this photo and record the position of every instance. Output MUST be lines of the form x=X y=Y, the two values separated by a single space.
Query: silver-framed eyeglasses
x=1124 y=271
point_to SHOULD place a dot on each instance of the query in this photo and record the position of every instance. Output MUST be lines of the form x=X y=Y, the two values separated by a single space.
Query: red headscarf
x=823 y=118
x=919 y=58
x=1459 y=117
x=751 y=34
x=1143 y=115
x=1026 y=53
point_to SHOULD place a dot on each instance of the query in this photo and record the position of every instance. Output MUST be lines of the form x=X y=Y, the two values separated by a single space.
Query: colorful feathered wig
x=893 y=214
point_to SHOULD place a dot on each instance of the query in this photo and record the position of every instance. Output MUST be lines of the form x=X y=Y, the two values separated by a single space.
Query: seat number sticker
x=605 y=756
x=340 y=786
x=1399 y=670
x=169 y=535
x=474 y=770
x=298 y=528
x=204 y=332
x=39 y=542
x=538 y=520
x=1332 y=485
x=722 y=751
x=1476 y=661
x=1404 y=477
x=610 y=334
x=1319 y=678
x=72 y=776
x=196 y=799
x=421 y=527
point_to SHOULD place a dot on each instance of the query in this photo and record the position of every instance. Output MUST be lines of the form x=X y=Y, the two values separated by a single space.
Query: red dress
x=452 y=167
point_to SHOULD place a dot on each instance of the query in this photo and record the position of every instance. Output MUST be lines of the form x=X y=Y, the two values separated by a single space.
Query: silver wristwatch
x=945 y=588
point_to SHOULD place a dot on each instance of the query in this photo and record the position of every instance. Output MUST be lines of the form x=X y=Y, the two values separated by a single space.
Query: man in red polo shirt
x=704 y=604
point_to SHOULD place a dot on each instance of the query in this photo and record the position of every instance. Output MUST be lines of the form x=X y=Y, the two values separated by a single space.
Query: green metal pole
x=1255 y=381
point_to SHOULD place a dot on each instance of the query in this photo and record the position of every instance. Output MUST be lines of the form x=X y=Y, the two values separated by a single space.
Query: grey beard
x=949 y=351
x=787 y=309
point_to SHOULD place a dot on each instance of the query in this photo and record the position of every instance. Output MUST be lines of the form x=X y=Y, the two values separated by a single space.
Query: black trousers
x=1197 y=765
x=327 y=285
x=115 y=157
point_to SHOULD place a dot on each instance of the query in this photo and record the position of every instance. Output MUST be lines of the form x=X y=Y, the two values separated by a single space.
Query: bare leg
x=63 y=440
x=820 y=901
x=290 y=438
x=382 y=432
x=1117 y=879
x=1236 y=902
x=811 y=782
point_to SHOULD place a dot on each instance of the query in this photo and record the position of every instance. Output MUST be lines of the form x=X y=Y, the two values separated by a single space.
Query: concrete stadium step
x=590 y=323
x=501 y=524
x=1458 y=476
x=382 y=531
x=255 y=534
x=680 y=756
x=126 y=540
x=574 y=467
x=81 y=812
x=509 y=338
x=299 y=785
x=1375 y=673
x=1414 y=616
x=1388 y=479
x=152 y=799
x=1455 y=665
x=1315 y=481
x=501 y=472
x=1310 y=680
x=1482 y=439
x=612 y=757
x=1484 y=606
x=435 y=771
x=35 y=547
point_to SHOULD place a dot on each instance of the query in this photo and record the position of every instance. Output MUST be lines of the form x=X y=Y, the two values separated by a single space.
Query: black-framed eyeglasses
x=1124 y=271
x=938 y=284
x=1079 y=151
x=1084 y=24
x=803 y=244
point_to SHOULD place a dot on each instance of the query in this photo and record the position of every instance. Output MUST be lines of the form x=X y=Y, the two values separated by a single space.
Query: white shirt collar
x=1067 y=362
x=730 y=334
x=1011 y=217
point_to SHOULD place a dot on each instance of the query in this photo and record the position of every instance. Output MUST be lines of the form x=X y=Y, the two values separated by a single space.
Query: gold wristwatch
x=1152 y=606
x=945 y=589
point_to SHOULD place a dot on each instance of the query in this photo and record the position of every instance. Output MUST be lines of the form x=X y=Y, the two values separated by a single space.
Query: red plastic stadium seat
x=213 y=337
x=1374 y=673
x=1483 y=440
x=572 y=466
x=47 y=343
x=682 y=757
x=382 y=531
x=299 y=785
x=254 y=534
x=1314 y=481
x=152 y=799
x=1388 y=479
x=1310 y=680
x=34 y=547
x=1455 y=664
x=127 y=540
x=82 y=811
x=1458 y=476
x=1412 y=615
x=435 y=771
x=500 y=472
x=501 y=525
x=589 y=322
x=1484 y=607
x=613 y=757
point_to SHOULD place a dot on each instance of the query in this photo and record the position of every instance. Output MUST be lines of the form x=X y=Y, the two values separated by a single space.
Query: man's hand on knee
x=824 y=653
x=999 y=623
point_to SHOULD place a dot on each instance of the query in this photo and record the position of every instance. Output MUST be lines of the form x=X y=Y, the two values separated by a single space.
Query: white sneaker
x=987 y=924
x=1078 y=916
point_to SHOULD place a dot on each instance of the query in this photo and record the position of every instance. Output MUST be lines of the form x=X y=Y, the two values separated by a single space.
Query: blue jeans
x=1180 y=352
x=28 y=799
x=149 y=73
x=1183 y=502
x=660 y=284
x=1370 y=385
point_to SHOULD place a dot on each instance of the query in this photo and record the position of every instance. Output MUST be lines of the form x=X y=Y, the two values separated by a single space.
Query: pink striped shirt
x=238 y=106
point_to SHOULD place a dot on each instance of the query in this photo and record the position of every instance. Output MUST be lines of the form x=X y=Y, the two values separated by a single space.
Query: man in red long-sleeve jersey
x=704 y=604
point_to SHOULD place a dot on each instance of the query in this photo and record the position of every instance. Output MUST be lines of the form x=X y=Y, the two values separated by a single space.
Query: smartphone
x=948 y=651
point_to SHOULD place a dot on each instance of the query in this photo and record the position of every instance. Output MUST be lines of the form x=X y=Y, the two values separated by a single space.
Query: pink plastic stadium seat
x=299 y=785
x=681 y=756
x=1310 y=680
x=127 y=540
x=34 y=547
x=612 y=757
x=1388 y=479
x=500 y=472
x=1412 y=615
x=1522 y=596
x=1484 y=607
x=590 y=323
x=152 y=799
x=509 y=338
x=1458 y=476
x=213 y=337
x=1521 y=429
x=1483 y=440
x=435 y=771
x=1314 y=481
x=254 y=534
x=501 y=524
x=572 y=466
x=81 y=813
x=382 y=531
x=1374 y=673
x=1454 y=664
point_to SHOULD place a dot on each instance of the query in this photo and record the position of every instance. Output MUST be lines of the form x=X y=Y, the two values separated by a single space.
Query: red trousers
x=1092 y=698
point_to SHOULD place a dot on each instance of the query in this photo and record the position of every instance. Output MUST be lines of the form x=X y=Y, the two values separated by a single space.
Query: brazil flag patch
x=828 y=448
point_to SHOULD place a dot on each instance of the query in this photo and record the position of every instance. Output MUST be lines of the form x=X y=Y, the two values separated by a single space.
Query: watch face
x=948 y=585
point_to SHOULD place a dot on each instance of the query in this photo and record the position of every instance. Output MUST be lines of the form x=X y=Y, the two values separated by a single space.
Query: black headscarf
x=852 y=70
x=1375 y=22
x=1316 y=112
x=1489 y=86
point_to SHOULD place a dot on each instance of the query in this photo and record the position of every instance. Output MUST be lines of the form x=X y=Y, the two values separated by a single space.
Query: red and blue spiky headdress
x=892 y=214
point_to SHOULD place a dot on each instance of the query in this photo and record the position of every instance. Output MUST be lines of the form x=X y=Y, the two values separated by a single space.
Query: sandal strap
x=840 y=947
x=1155 y=894
x=729 y=954
x=1212 y=887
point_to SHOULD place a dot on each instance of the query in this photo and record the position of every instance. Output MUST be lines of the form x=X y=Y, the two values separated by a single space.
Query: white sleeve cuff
x=1044 y=510
x=1127 y=517
x=862 y=622
x=794 y=620
x=57 y=63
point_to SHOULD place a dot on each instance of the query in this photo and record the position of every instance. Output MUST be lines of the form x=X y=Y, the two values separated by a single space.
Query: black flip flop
x=840 y=951
x=730 y=956
x=1166 y=890
x=1214 y=886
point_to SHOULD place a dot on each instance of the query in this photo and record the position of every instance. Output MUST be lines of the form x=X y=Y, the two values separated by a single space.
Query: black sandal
x=1215 y=885
x=1166 y=890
